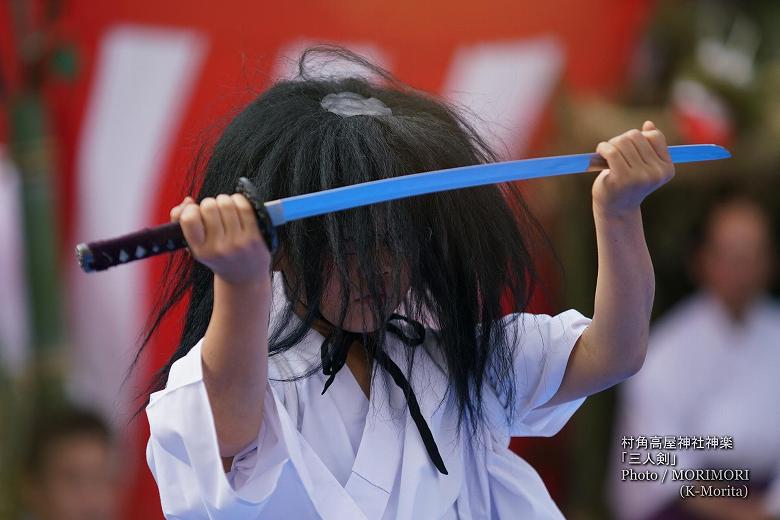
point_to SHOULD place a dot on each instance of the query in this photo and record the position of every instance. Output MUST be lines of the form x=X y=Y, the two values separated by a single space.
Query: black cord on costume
x=333 y=354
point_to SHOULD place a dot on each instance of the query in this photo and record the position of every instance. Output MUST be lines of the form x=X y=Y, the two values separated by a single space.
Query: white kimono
x=340 y=456
x=707 y=376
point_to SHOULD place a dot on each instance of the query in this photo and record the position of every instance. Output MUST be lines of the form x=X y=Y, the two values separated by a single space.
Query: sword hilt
x=102 y=254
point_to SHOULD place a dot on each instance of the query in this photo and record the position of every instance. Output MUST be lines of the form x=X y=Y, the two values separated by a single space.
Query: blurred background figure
x=712 y=370
x=70 y=471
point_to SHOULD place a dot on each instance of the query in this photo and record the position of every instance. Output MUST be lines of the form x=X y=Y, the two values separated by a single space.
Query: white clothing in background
x=705 y=375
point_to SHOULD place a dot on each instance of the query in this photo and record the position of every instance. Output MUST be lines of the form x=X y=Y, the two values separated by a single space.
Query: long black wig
x=467 y=252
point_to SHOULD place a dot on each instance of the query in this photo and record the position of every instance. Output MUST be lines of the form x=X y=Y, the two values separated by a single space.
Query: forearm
x=614 y=345
x=235 y=361
x=624 y=294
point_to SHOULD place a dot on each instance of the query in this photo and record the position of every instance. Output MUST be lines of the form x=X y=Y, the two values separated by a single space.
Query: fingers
x=615 y=160
x=638 y=163
x=212 y=220
x=222 y=234
x=192 y=225
x=226 y=218
x=657 y=140
x=246 y=214
x=229 y=216
x=177 y=210
x=627 y=149
x=660 y=167
x=640 y=149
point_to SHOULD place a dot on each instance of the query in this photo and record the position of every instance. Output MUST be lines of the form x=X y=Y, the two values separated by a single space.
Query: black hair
x=66 y=423
x=724 y=195
x=466 y=250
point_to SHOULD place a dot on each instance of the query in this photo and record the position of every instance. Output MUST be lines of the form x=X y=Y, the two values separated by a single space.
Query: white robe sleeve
x=543 y=345
x=183 y=453
x=278 y=476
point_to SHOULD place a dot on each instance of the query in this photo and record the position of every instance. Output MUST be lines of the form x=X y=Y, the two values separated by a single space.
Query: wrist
x=603 y=213
x=242 y=290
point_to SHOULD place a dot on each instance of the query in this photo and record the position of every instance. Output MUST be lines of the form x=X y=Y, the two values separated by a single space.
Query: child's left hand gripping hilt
x=246 y=188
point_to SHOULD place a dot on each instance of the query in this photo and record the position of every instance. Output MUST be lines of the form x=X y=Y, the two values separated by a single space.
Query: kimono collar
x=334 y=352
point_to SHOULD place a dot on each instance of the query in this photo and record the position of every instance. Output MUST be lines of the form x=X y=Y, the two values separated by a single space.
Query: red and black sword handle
x=102 y=254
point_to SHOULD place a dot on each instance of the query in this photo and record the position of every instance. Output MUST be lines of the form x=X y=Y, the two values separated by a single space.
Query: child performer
x=256 y=415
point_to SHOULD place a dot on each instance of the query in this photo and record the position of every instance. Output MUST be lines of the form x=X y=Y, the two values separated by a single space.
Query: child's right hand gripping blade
x=246 y=188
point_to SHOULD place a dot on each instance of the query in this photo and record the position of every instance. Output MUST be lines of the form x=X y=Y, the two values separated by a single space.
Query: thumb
x=648 y=126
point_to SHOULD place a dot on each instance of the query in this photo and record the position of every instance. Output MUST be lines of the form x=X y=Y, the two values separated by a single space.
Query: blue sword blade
x=356 y=195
